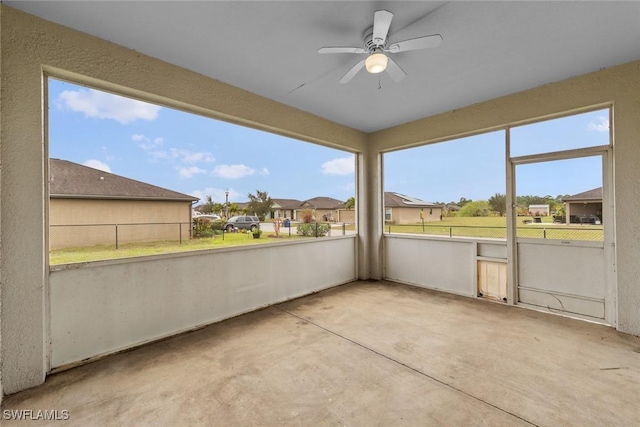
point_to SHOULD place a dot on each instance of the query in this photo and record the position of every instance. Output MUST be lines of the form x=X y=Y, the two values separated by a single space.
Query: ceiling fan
x=376 y=41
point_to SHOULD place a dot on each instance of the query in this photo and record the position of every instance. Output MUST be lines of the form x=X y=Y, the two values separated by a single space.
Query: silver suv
x=242 y=223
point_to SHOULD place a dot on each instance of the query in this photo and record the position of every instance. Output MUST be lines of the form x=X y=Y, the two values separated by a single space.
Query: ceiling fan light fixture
x=376 y=63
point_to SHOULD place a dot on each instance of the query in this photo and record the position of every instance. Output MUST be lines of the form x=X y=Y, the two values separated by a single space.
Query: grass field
x=483 y=227
x=96 y=253
x=496 y=227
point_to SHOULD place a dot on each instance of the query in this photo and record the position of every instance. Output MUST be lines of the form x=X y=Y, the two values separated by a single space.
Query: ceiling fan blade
x=341 y=50
x=352 y=72
x=425 y=42
x=381 y=23
x=394 y=70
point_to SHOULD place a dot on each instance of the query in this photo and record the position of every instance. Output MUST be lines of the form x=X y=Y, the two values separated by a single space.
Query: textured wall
x=76 y=222
x=108 y=306
x=31 y=47
x=1 y=281
x=442 y=264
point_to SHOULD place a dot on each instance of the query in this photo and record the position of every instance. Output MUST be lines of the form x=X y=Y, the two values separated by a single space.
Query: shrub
x=309 y=229
x=307 y=216
x=477 y=208
x=204 y=227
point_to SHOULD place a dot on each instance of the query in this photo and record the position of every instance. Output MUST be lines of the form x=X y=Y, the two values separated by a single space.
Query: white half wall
x=447 y=265
x=102 y=307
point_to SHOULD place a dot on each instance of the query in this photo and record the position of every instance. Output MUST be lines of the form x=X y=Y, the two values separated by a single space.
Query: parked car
x=242 y=223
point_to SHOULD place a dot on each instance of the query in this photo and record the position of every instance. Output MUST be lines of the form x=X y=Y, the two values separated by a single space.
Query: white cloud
x=340 y=166
x=601 y=124
x=97 y=164
x=190 y=171
x=218 y=195
x=187 y=156
x=102 y=105
x=147 y=143
x=233 y=171
x=264 y=171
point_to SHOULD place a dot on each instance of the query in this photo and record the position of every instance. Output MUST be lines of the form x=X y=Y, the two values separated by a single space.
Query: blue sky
x=189 y=153
x=474 y=167
x=201 y=156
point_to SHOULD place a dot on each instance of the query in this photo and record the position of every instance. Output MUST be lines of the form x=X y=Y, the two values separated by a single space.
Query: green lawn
x=487 y=227
x=495 y=227
x=95 y=253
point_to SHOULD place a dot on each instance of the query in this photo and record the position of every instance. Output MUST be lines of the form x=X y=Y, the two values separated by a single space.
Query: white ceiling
x=270 y=48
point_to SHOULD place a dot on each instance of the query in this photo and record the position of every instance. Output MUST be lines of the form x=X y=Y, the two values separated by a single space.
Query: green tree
x=233 y=209
x=463 y=201
x=208 y=206
x=350 y=203
x=498 y=203
x=260 y=204
x=477 y=208
x=218 y=208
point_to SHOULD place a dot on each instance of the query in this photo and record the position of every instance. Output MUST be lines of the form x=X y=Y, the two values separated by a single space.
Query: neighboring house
x=583 y=205
x=86 y=204
x=347 y=216
x=324 y=208
x=539 y=210
x=401 y=209
x=284 y=208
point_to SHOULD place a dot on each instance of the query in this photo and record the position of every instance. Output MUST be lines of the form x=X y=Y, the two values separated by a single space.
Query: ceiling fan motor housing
x=370 y=45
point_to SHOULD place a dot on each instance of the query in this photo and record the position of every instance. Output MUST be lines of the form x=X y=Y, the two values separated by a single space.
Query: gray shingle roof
x=72 y=180
x=392 y=200
x=595 y=195
x=287 y=203
x=322 y=203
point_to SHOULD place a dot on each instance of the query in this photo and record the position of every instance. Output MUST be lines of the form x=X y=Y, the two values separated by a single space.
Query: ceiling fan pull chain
x=379 y=83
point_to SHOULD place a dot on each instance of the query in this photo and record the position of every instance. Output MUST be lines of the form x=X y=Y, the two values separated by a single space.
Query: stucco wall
x=87 y=222
x=112 y=305
x=1 y=281
x=347 y=216
x=412 y=215
x=618 y=86
x=442 y=264
x=31 y=47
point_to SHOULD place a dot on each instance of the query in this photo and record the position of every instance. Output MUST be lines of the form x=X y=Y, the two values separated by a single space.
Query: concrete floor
x=363 y=354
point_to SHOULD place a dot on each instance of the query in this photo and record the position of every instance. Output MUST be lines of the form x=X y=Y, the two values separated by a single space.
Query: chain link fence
x=546 y=231
x=70 y=236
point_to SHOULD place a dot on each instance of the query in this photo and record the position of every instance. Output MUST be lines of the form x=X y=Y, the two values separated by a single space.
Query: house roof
x=591 y=195
x=72 y=180
x=286 y=203
x=393 y=200
x=322 y=203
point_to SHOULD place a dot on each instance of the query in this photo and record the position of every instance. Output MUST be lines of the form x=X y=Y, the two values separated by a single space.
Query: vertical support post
x=316 y=229
x=116 y=236
x=544 y=233
x=180 y=231
x=344 y=229
x=512 y=224
x=450 y=232
x=370 y=213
